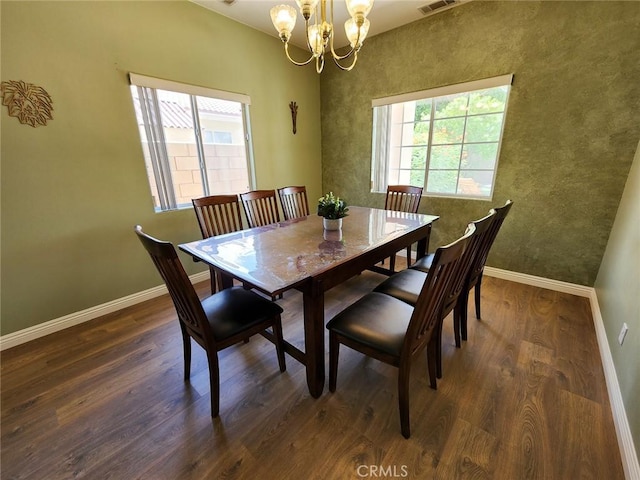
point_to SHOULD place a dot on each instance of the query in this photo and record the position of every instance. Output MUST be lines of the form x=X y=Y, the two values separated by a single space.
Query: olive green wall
x=73 y=190
x=617 y=287
x=571 y=131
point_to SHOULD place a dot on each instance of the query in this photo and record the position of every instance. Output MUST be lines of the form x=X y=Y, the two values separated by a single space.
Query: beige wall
x=73 y=190
x=618 y=288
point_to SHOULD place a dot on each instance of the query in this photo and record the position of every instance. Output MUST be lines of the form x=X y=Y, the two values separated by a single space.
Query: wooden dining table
x=299 y=254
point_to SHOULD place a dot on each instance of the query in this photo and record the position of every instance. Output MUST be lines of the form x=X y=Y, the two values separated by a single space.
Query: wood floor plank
x=579 y=425
x=469 y=453
x=524 y=398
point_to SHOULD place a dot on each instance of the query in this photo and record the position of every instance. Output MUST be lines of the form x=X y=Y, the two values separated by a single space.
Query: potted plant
x=333 y=209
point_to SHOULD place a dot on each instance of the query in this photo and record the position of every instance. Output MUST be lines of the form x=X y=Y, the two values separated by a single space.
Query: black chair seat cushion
x=234 y=309
x=376 y=320
x=405 y=285
x=424 y=263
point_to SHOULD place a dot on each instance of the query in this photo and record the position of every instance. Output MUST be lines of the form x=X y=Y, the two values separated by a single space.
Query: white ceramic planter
x=332 y=223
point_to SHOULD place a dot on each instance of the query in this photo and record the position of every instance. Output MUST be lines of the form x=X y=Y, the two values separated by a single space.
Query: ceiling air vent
x=437 y=5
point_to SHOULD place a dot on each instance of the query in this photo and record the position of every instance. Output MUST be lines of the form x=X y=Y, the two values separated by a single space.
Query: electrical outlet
x=623 y=333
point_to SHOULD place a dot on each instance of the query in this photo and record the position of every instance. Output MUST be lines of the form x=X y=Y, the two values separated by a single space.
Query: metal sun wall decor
x=29 y=103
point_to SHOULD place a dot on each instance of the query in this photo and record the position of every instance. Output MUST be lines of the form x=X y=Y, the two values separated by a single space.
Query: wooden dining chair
x=394 y=332
x=474 y=277
x=402 y=198
x=293 y=201
x=260 y=207
x=407 y=284
x=474 y=280
x=225 y=318
x=217 y=215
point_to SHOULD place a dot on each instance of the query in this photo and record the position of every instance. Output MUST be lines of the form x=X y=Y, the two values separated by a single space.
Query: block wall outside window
x=194 y=141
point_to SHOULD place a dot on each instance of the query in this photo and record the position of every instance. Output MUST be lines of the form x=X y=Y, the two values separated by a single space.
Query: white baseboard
x=623 y=431
x=556 y=285
x=57 y=324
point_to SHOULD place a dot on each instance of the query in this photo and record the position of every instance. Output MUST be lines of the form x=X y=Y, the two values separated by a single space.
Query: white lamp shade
x=315 y=39
x=307 y=6
x=359 y=7
x=351 y=30
x=284 y=19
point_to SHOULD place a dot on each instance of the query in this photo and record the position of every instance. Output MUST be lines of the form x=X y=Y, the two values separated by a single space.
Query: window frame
x=382 y=124
x=155 y=134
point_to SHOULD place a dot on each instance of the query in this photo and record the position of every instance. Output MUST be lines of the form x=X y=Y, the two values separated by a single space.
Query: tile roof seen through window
x=177 y=114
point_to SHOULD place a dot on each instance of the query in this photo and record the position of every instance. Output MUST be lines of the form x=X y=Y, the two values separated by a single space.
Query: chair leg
x=456 y=324
x=334 y=349
x=431 y=364
x=277 y=334
x=186 y=348
x=214 y=283
x=464 y=305
x=408 y=256
x=403 y=399
x=477 y=295
x=214 y=382
x=392 y=262
x=438 y=348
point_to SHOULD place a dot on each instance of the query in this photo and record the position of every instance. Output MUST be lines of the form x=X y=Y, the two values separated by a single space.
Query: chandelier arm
x=350 y=67
x=300 y=64
x=337 y=57
x=342 y=57
x=319 y=63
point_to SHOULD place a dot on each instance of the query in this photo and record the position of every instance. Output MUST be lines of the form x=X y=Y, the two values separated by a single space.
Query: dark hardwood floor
x=524 y=398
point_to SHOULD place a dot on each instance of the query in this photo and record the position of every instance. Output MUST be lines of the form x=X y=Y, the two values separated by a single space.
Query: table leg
x=225 y=281
x=313 y=305
x=423 y=245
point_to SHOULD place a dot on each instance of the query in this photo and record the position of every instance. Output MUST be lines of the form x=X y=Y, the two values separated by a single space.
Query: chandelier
x=320 y=33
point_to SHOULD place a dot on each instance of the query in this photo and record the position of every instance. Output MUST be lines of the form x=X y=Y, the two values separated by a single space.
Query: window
x=446 y=140
x=195 y=140
x=217 y=137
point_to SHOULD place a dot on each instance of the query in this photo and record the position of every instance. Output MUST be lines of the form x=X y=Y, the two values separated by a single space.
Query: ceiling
x=385 y=15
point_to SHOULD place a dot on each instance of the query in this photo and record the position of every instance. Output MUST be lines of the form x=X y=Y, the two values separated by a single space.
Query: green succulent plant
x=332 y=207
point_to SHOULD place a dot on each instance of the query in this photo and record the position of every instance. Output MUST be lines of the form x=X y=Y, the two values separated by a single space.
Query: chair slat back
x=428 y=311
x=293 y=201
x=403 y=198
x=476 y=239
x=260 y=207
x=185 y=299
x=218 y=214
x=500 y=213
